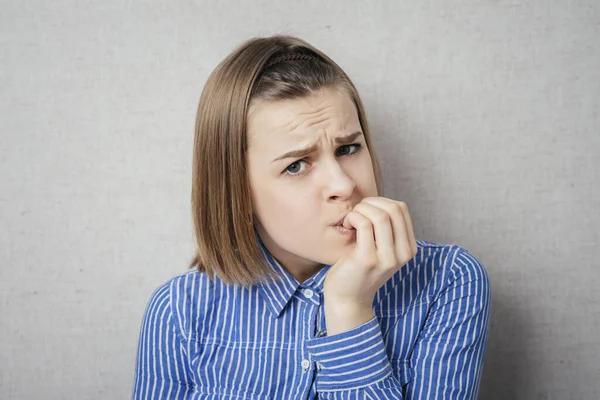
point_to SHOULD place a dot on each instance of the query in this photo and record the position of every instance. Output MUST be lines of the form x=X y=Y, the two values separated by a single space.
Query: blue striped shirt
x=204 y=339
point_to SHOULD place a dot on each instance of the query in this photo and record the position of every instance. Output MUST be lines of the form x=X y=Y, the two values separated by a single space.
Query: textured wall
x=485 y=115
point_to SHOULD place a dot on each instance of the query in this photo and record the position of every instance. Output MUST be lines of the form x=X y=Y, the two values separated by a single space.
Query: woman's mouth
x=343 y=230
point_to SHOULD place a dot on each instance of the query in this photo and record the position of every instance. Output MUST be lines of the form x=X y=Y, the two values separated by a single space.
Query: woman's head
x=269 y=97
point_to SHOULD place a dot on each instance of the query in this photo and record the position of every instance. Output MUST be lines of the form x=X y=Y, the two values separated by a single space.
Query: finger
x=384 y=236
x=365 y=240
x=409 y=227
x=402 y=232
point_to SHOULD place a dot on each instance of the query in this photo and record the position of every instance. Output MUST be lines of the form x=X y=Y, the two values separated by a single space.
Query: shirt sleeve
x=354 y=365
x=161 y=370
x=448 y=357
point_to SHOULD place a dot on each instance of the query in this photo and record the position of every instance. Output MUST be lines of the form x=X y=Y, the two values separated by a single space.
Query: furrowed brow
x=348 y=138
x=299 y=153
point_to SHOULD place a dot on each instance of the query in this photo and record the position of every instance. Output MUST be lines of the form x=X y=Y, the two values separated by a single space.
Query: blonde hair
x=274 y=68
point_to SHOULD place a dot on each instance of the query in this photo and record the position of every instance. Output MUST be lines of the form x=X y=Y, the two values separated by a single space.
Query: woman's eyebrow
x=348 y=138
x=299 y=153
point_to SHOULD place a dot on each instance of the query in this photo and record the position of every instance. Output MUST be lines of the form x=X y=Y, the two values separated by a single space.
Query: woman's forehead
x=293 y=120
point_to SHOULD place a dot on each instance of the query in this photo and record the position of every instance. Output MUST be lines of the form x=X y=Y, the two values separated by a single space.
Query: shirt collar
x=278 y=292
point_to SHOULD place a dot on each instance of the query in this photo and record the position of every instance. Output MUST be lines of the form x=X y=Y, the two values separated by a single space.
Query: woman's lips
x=340 y=221
x=344 y=231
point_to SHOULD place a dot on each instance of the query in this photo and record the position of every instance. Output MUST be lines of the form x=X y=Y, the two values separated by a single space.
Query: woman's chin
x=336 y=251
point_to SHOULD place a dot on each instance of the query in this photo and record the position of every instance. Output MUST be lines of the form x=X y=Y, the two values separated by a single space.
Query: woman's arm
x=448 y=356
x=353 y=357
x=447 y=359
x=161 y=369
x=354 y=365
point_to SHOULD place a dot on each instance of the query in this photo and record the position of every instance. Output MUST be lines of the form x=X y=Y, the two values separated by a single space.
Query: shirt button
x=305 y=364
x=308 y=293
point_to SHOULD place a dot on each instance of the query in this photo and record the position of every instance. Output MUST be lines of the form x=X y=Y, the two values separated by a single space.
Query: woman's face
x=308 y=166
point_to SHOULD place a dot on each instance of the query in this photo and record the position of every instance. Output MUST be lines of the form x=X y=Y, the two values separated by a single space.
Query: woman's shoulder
x=183 y=285
x=448 y=258
x=189 y=283
x=436 y=265
x=437 y=269
x=186 y=297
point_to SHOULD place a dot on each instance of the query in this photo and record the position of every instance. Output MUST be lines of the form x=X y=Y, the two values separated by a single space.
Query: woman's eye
x=296 y=167
x=348 y=149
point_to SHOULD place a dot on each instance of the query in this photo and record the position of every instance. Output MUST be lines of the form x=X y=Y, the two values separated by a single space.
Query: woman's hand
x=384 y=242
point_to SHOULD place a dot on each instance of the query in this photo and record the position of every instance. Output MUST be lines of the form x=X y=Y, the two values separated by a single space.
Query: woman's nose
x=338 y=184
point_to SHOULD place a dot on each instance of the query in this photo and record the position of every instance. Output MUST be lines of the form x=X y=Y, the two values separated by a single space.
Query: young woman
x=306 y=283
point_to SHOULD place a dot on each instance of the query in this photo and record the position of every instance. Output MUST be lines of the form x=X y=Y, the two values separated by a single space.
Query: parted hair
x=274 y=68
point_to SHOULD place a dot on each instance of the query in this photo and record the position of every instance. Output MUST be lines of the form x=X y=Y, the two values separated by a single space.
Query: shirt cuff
x=351 y=359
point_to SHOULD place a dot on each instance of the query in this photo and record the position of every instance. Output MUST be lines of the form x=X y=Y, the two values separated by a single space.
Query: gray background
x=485 y=115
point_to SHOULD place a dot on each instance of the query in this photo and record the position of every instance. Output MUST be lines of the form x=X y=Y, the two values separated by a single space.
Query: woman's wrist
x=344 y=316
